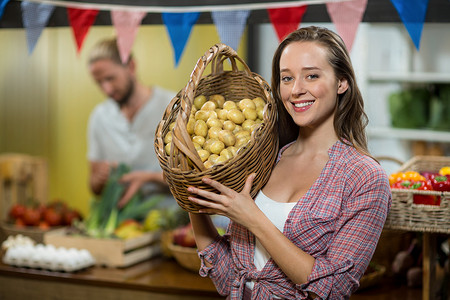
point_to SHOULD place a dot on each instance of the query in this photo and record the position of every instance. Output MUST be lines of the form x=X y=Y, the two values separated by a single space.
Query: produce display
x=219 y=128
x=106 y=220
x=423 y=181
x=43 y=216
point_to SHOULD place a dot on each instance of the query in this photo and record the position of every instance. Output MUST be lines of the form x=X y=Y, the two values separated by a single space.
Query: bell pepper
x=424 y=199
x=402 y=176
x=441 y=183
x=444 y=171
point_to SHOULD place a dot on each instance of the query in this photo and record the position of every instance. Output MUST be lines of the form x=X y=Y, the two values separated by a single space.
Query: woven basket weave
x=183 y=167
x=405 y=215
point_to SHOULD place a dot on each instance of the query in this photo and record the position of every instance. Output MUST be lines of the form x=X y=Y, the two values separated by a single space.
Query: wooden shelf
x=409 y=134
x=417 y=77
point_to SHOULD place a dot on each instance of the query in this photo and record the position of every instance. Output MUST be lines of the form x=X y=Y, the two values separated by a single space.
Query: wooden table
x=156 y=279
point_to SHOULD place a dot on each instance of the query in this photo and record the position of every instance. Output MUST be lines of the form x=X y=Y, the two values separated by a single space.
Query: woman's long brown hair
x=350 y=119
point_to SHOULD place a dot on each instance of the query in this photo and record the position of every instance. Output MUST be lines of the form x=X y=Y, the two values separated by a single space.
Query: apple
x=184 y=236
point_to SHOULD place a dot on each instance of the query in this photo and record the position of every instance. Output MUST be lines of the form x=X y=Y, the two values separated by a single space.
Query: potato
x=247 y=125
x=236 y=116
x=227 y=137
x=200 y=140
x=229 y=125
x=209 y=105
x=260 y=113
x=171 y=125
x=228 y=105
x=200 y=128
x=213 y=132
x=204 y=155
x=168 y=137
x=218 y=99
x=190 y=126
x=202 y=115
x=217 y=147
x=214 y=122
x=250 y=113
x=167 y=148
x=222 y=114
x=246 y=103
x=226 y=153
x=259 y=102
x=199 y=101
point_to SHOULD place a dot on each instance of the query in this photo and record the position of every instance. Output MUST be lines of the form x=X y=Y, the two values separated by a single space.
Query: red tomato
x=31 y=217
x=53 y=217
x=17 y=211
x=19 y=223
x=71 y=215
x=43 y=225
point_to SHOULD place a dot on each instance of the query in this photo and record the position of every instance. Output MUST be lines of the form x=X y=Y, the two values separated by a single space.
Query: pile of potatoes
x=220 y=127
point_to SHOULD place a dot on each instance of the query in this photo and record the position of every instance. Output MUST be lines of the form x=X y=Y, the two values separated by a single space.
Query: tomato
x=32 y=216
x=19 y=223
x=53 y=217
x=43 y=225
x=17 y=211
x=70 y=215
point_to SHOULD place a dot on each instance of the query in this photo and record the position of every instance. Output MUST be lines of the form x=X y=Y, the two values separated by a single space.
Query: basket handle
x=215 y=56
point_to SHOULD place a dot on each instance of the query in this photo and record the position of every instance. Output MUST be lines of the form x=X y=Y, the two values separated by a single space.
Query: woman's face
x=308 y=85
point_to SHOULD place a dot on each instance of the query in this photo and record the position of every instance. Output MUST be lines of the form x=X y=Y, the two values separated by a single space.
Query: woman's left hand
x=239 y=207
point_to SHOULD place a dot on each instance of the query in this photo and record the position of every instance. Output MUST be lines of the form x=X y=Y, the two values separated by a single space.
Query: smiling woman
x=46 y=97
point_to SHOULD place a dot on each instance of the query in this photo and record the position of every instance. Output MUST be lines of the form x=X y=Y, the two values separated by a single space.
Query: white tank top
x=277 y=212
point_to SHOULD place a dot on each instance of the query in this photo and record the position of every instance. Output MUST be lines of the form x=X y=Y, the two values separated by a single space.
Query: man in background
x=122 y=128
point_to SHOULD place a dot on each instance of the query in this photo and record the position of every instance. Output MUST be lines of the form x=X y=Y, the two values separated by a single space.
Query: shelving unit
x=386 y=67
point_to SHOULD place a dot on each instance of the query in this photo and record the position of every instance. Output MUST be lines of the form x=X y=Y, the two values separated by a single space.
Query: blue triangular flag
x=2 y=6
x=179 y=26
x=230 y=26
x=35 y=17
x=412 y=13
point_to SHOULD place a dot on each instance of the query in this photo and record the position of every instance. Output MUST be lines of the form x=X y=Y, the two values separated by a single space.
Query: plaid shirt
x=338 y=221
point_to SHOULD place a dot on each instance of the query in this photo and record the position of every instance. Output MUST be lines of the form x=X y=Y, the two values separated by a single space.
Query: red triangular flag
x=346 y=16
x=81 y=20
x=286 y=19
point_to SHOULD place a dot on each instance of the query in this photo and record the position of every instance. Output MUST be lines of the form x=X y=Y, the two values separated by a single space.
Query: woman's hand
x=239 y=207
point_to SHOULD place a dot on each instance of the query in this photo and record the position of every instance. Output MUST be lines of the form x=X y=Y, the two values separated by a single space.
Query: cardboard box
x=110 y=252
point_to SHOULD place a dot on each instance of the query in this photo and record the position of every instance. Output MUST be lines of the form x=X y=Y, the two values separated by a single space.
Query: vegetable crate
x=406 y=215
x=110 y=252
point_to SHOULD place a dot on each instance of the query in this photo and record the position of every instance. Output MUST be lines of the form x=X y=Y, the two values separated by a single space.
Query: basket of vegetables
x=421 y=195
x=221 y=125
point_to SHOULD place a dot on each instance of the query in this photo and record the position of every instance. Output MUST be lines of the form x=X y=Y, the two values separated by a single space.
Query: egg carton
x=48 y=257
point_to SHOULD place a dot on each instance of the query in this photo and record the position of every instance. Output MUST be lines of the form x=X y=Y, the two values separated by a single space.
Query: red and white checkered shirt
x=338 y=222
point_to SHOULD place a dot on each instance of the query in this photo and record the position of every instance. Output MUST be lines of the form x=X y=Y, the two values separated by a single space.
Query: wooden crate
x=110 y=252
x=22 y=177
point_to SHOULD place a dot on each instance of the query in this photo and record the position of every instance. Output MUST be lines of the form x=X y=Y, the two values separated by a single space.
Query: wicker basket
x=183 y=167
x=405 y=215
x=186 y=257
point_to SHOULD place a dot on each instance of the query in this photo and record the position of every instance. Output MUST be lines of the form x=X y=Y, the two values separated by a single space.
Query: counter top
x=155 y=276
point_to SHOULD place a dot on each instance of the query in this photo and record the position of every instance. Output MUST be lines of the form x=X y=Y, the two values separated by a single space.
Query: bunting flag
x=35 y=17
x=230 y=26
x=81 y=20
x=412 y=13
x=2 y=6
x=286 y=19
x=126 y=24
x=346 y=16
x=179 y=26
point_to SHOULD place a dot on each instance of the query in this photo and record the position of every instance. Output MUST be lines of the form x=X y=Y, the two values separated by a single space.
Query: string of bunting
x=230 y=20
